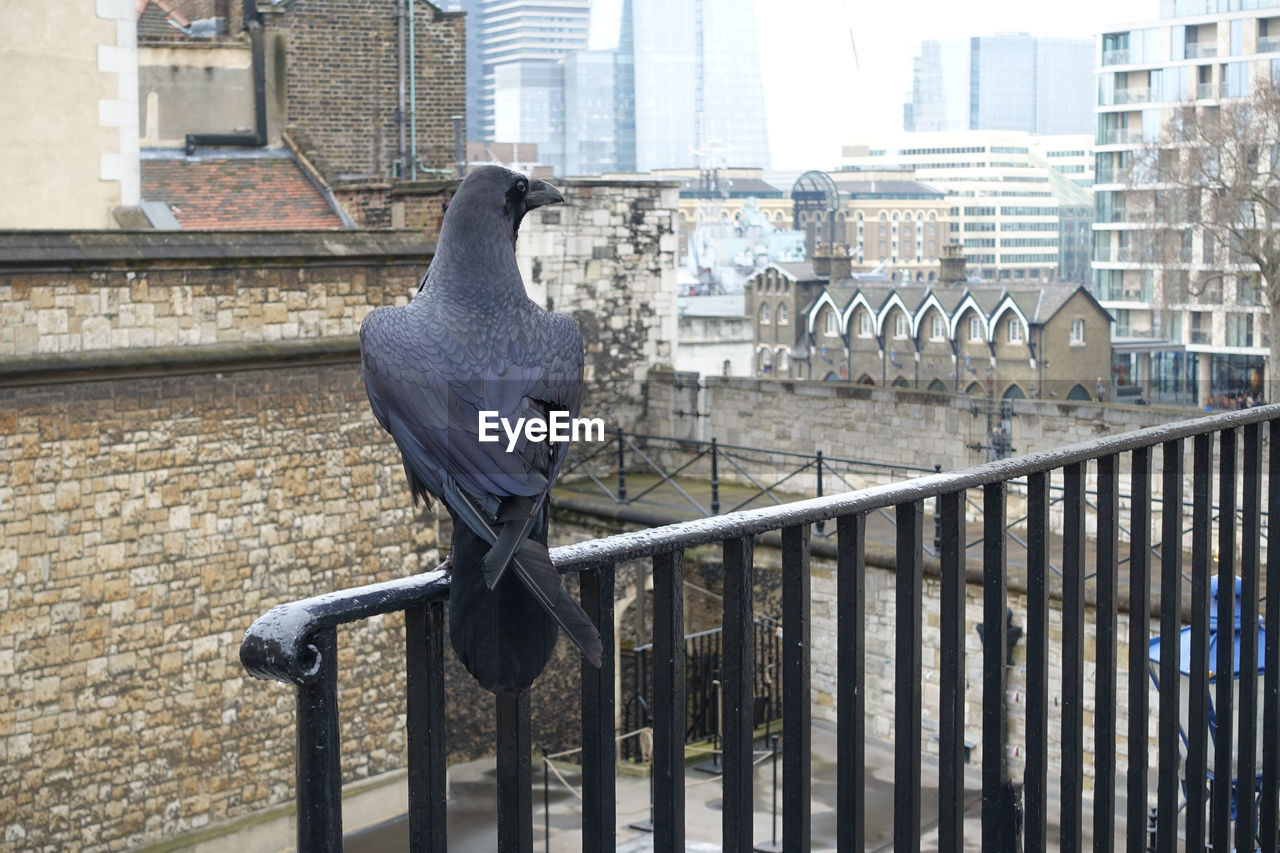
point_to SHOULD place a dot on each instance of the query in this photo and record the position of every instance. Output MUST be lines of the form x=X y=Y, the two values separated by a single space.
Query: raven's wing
x=428 y=385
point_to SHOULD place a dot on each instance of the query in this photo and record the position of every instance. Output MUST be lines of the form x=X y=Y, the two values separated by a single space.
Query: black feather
x=471 y=341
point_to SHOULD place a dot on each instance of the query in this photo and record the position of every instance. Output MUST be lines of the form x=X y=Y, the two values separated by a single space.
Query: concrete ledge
x=98 y=365
x=44 y=250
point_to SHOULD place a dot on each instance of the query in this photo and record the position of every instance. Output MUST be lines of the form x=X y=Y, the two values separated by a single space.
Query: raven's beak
x=540 y=193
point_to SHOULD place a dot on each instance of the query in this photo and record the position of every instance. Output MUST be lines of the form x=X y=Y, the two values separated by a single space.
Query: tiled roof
x=242 y=190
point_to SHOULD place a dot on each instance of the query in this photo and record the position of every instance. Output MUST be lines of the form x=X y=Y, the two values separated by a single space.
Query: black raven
x=472 y=345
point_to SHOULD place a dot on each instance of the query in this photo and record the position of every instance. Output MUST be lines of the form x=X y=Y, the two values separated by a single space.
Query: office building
x=1018 y=203
x=1011 y=81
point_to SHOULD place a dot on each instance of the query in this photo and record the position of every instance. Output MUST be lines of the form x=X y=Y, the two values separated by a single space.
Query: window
x=831 y=327
x=766 y=361
x=975 y=329
x=782 y=313
x=937 y=329
x=1077 y=330
x=784 y=360
x=864 y=324
x=764 y=312
x=900 y=325
x=1015 y=331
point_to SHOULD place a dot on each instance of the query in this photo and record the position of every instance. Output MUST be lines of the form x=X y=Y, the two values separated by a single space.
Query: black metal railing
x=296 y=643
x=628 y=456
x=703 y=663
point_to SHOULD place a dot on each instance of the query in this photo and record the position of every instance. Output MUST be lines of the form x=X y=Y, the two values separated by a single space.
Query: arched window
x=764 y=361
x=784 y=360
x=764 y=312
x=782 y=313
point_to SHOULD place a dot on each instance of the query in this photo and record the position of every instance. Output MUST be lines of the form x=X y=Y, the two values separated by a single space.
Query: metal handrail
x=752 y=522
x=297 y=643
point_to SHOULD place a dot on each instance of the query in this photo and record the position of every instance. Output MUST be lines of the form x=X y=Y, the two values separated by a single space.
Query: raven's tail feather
x=504 y=636
x=517 y=516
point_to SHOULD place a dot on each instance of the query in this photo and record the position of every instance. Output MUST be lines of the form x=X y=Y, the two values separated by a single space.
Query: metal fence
x=703 y=664
x=296 y=643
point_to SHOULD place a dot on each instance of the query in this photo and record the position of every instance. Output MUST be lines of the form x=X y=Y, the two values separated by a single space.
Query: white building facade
x=1204 y=341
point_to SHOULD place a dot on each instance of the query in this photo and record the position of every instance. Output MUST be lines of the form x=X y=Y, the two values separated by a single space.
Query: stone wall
x=185 y=443
x=607 y=256
x=881 y=669
x=98 y=291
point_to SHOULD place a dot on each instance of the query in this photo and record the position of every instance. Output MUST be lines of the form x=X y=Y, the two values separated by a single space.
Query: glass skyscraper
x=1003 y=82
x=699 y=94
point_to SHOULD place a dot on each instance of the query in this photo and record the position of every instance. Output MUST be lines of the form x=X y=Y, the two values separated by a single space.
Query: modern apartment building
x=504 y=32
x=968 y=84
x=1018 y=203
x=1197 y=326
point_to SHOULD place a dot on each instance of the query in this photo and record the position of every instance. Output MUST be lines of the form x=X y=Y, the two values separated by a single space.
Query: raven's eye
x=521 y=186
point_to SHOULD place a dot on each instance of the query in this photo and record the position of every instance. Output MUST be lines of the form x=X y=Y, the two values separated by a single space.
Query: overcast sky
x=819 y=98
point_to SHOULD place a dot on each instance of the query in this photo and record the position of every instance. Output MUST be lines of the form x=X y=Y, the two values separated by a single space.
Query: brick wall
x=342 y=83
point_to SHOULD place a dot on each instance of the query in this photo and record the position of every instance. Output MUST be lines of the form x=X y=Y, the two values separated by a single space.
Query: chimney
x=821 y=260
x=952 y=265
x=841 y=265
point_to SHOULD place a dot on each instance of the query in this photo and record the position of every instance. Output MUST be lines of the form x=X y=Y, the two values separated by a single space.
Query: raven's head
x=495 y=190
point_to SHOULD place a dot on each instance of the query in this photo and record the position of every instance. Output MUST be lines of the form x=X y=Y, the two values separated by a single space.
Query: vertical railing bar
x=1036 y=774
x=1198 y=686
x=1225 y=662
x=599 y=749
x=996 y=824
x=515 y=773
x=909 y=580
x=738 y=656
x=796 y=699
x=1170 y=758
x=1269 y=803
x=319 y=766
x=1108 y=590
x=850 y=683
x=1073 y=556
x=951 y=685
x=425 y=726
x=1139 y=639
x=668 y=703
x=1246 y=814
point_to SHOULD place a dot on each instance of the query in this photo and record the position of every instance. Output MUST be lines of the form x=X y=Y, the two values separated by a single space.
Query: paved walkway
x=472 y=791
